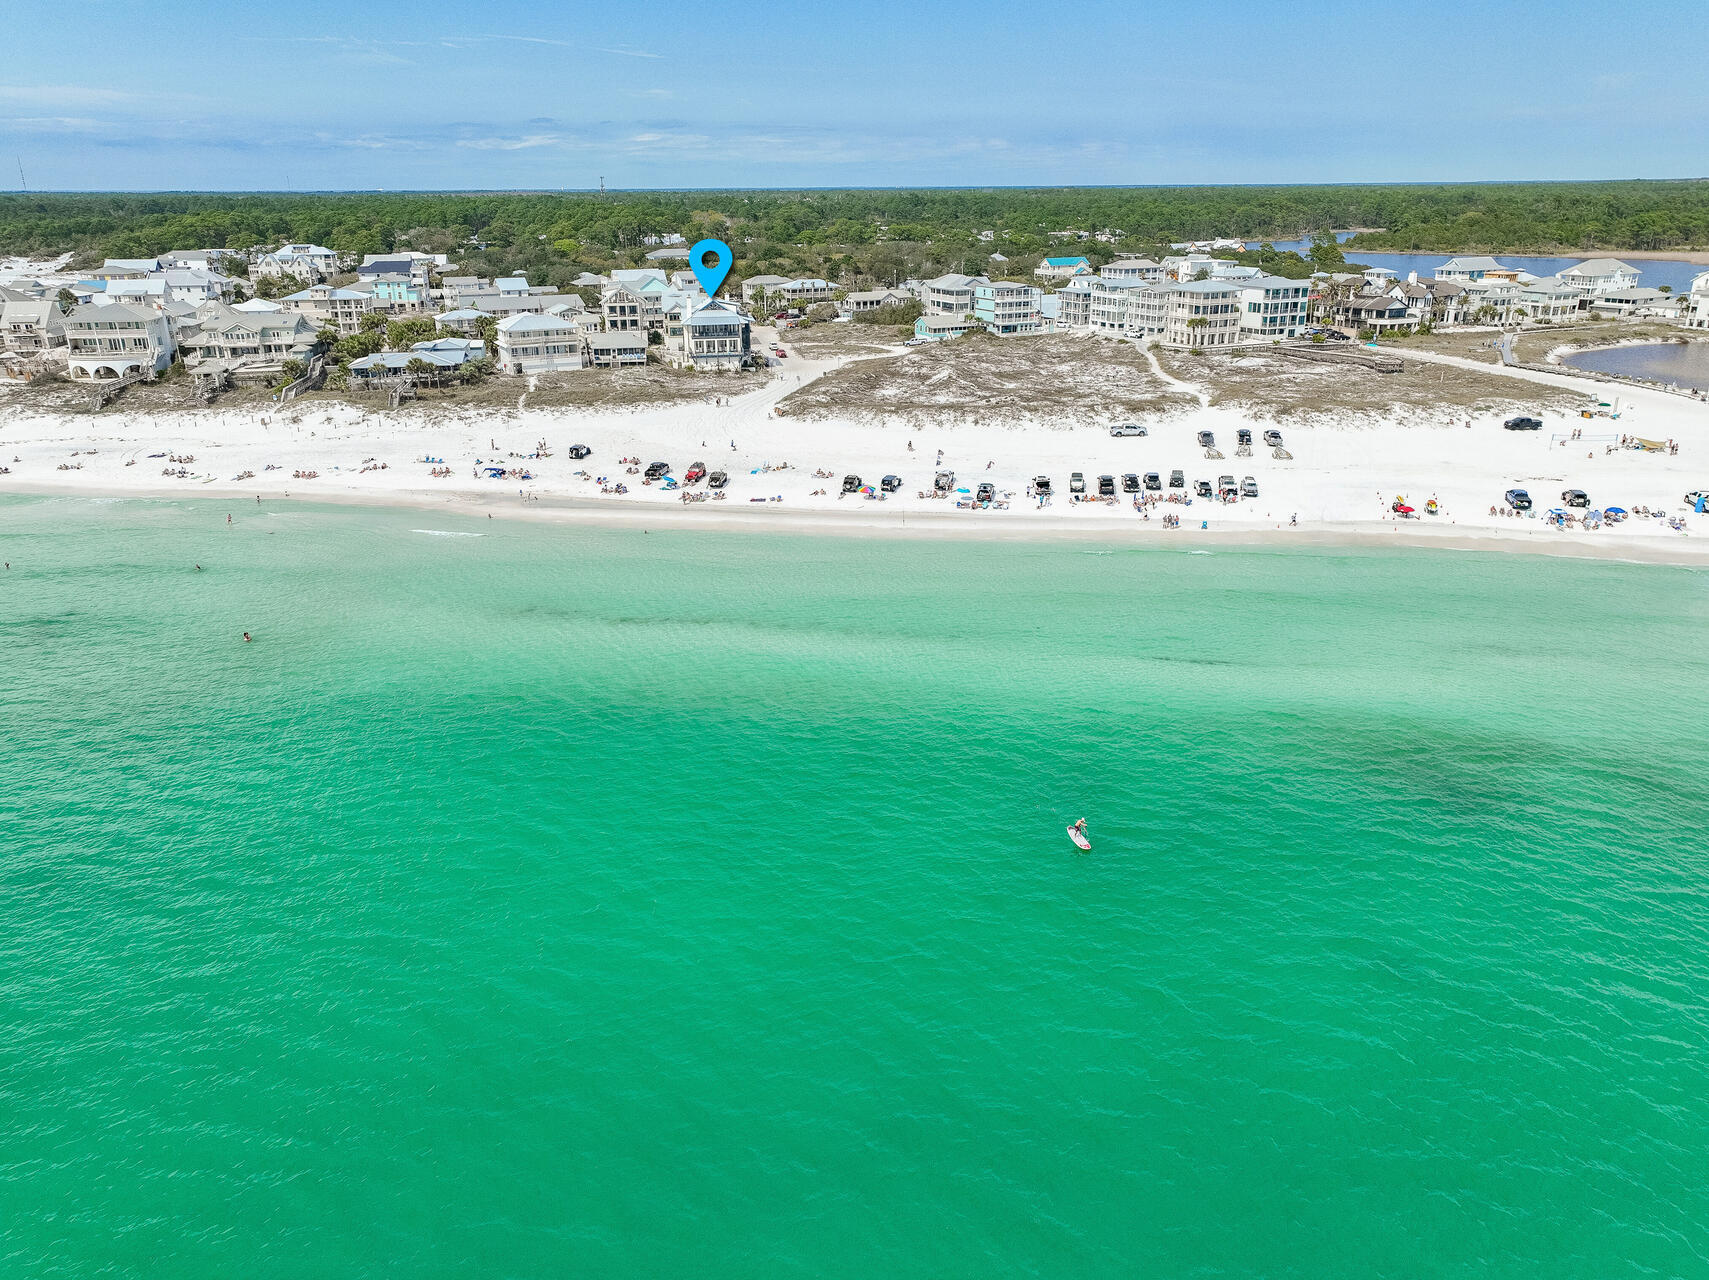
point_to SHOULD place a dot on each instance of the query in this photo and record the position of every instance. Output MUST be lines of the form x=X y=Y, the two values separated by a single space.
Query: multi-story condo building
x=1202 y=313
x=1271 y=308
x=1005 y=307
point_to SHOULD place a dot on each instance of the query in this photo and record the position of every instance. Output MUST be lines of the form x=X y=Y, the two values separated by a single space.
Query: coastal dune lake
x=542 y=902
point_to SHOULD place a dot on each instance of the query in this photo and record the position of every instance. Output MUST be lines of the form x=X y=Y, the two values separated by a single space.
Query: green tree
x=401 y=335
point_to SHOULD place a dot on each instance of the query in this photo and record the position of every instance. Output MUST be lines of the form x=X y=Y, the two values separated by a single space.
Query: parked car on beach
x=1076 y=483
x=1202 y=488
x=578 y=451
x=1041 y=485
x=657 y=469
x=1226 y=487
x=987 y=492
x=1130 y=483
x=1518 y=499
x=1575 y=497
x=1243 y=436
x=695 y=473
x=1248 y=487
x=1207 y=440
x=1153 y=481
x=1106 y=486
x=1177 y=480
x=890 y=484
x=1273 y=438
x=944 y=481
x=717 y=480
x=1523 y=424
x=1128 y=429
x=851 y=484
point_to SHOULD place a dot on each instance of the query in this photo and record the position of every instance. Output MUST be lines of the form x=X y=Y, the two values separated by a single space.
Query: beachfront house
x=531 y=343
x=1006 y=307
x=116 y=340
x=1597 y=277
x=610 y=350
x=443 y=356
x=247 y=341
x=950 y=295
x=30 y=326
x=713 y=335
x=1061 y=268
x=343 y=309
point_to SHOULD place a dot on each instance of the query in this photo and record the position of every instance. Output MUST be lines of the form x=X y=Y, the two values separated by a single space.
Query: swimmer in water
x=246 y=637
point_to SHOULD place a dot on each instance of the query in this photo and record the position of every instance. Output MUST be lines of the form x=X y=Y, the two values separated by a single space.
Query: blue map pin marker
x=711 y=277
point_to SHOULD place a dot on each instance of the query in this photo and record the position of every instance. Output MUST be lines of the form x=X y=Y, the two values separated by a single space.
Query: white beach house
x=1599 y=276
x=531 y=343
x=117 y=339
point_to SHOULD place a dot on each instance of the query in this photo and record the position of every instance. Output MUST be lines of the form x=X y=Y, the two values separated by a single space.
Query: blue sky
x=123 y=94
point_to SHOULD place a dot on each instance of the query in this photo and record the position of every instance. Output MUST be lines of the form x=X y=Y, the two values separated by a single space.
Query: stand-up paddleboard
x=1078 y=838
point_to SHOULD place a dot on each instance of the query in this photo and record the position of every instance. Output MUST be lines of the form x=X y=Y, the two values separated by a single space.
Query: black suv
x=657 y=469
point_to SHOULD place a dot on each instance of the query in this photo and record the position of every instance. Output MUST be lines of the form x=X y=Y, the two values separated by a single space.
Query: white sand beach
x=1344 y=475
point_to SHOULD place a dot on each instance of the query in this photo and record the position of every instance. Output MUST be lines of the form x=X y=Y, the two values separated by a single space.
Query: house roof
x=534 y=322
x=257 y=304
x=620 y=338
x=1065 y=262
x=465 y=313
x=1471 y=264
x=1598 y=267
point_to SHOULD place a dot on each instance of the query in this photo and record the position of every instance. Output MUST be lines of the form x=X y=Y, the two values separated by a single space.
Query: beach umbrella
x=964 y=491
x=866 y=488
x=1616 y=511
x=1404 y=510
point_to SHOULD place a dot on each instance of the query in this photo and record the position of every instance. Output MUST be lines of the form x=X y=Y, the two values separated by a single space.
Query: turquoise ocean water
x=530 y=901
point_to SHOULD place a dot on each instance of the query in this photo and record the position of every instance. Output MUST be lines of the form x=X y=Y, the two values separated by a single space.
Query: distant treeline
x=862 y=233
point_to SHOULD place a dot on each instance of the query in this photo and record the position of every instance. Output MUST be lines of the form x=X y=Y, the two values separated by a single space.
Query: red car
x=695 y=473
